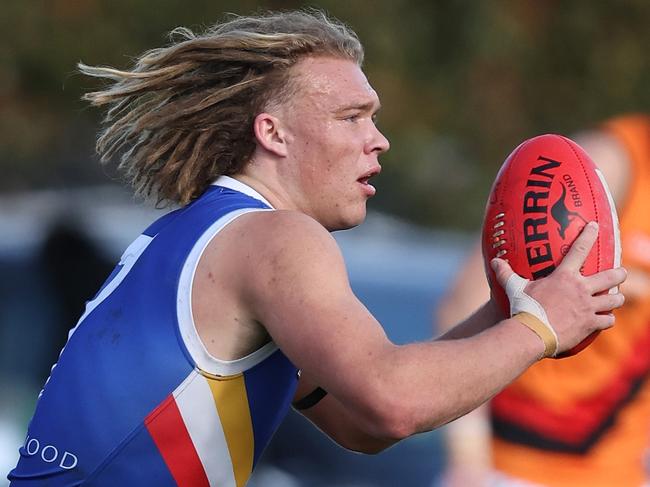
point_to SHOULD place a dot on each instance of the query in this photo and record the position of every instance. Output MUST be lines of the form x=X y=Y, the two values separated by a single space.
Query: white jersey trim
x=232 y=183
x=202 y=358
x=201 y=417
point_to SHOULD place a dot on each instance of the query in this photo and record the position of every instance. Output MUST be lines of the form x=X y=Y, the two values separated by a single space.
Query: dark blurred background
x=462 y=83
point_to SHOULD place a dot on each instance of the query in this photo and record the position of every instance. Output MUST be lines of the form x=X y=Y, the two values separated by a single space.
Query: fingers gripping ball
x=544 y=194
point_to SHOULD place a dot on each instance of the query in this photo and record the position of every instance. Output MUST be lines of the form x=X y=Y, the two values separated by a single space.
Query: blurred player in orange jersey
x=583 y=420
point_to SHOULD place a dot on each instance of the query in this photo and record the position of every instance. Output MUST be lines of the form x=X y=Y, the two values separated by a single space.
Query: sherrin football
x=546 y=191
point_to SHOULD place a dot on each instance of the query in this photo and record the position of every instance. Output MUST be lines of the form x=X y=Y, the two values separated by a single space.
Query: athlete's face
x=333 y=143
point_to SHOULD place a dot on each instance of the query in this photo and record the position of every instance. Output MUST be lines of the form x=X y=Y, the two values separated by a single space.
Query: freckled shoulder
x=256 y=241
x=281 y=230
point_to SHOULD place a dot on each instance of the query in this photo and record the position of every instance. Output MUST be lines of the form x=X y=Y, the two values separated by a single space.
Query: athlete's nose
x=377 y=142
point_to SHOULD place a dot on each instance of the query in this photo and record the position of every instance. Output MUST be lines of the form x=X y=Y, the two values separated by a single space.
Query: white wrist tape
x=520 y=302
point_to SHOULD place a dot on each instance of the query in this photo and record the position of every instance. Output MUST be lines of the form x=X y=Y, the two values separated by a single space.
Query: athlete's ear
x=270 y=134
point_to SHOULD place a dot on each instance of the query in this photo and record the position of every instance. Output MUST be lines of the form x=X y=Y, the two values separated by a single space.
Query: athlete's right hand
x=575 y=305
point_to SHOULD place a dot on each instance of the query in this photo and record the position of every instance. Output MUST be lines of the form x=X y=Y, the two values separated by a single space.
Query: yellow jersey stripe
x=231 y=400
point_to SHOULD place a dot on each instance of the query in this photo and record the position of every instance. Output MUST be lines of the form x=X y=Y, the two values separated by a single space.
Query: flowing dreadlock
x=183 y=115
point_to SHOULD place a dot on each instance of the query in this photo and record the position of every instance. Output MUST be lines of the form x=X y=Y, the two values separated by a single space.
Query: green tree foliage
x=462 y=83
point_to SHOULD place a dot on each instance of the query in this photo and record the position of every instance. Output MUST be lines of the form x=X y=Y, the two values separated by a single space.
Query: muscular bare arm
x=292 y=279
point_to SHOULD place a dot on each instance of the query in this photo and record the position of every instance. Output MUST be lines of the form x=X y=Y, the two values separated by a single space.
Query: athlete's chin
x=352 y=218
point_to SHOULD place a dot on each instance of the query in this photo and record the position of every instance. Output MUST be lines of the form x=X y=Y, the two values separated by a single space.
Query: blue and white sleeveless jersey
x=135 y=398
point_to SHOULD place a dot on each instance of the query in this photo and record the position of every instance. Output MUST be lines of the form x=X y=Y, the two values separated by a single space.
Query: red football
x=546 y=191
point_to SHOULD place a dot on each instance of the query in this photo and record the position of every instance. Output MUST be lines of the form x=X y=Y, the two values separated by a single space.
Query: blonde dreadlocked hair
x=183 y=115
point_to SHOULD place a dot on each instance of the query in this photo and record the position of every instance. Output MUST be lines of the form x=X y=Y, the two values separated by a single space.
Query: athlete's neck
x=273 y=193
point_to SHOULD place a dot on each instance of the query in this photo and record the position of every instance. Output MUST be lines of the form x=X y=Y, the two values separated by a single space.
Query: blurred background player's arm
x=467 y=438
